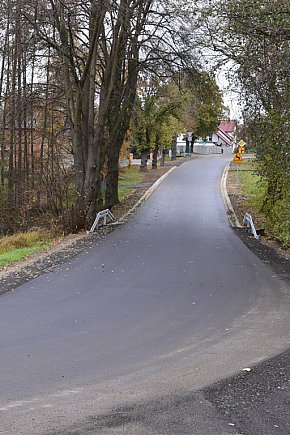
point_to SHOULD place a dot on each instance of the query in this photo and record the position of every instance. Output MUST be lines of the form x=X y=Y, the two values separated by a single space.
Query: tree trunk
x=187 y=143
x=144 y=159
x=163 y=152
x=112 y=180
x=119 y=122
x=155 y=156
x=87 y=203
x=192 y=144
x=3 y=114
x=173 y=147
x=88 y=196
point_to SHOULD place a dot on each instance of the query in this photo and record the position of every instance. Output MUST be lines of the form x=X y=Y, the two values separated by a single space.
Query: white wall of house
x=180 y=147
x=211 y=144
x=214 y=138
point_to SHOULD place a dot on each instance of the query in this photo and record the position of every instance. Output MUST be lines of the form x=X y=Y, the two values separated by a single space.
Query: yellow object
x=242 y=150
x=242 y=143
x=238 y=158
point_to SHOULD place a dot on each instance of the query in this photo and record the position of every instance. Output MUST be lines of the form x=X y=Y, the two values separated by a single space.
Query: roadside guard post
x=248 y=221
x=102 y=215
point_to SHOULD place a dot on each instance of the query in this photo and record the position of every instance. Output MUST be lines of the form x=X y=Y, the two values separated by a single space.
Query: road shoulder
x=267 y=250
x=67 y=247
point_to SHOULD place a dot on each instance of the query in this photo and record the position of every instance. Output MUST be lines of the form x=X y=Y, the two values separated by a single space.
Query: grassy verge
x=250 y=189
x=129 y=177
x=253 y=187
x=21 y=245
x=275 y=218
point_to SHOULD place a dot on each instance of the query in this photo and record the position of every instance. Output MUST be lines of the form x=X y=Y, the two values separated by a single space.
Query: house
x=180 y=145
x=219 y=138
x=223 y=140
x=225 y=135
x=229 y=127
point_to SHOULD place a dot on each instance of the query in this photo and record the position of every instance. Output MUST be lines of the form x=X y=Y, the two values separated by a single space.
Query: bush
x=278 y=220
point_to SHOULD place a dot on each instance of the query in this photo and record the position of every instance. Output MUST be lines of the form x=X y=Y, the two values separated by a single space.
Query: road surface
x=123 y=339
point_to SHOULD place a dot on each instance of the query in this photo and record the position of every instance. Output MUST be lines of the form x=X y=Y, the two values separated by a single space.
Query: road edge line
x=143 y=198
x=233 y=219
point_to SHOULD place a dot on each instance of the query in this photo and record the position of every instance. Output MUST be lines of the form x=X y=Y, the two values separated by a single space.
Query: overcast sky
x=231 y=98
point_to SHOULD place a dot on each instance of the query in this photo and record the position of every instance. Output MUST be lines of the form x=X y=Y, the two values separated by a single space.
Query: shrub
x=278 y=220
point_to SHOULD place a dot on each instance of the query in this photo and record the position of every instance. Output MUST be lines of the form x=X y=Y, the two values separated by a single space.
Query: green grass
x=251 y=183
x=275 y=218
x=124 y=193
x=248 y=165
x=129 y=176
x=15 y=255
x=255 y=188
x=21 y=245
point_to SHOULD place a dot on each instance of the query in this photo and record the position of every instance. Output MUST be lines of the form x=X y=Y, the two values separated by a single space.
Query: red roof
x=225 y=137
x=228 y=126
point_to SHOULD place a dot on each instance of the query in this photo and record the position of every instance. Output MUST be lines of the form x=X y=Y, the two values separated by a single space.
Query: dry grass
x=21 y=245
x=24 y=240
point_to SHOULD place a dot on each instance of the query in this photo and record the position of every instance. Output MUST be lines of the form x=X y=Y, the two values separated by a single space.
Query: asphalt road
x=127 y=337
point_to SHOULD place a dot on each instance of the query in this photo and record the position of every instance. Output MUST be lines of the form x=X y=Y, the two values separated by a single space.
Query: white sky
x=231 y=98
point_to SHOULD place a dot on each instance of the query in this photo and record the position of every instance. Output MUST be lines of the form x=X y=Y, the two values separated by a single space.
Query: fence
x=211 y=149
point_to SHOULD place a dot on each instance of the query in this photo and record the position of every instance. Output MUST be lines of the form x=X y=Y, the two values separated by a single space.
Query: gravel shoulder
x=66 y=248
x=267 y=249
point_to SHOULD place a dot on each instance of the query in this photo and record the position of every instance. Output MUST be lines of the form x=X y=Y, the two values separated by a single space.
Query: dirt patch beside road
x=267 y=249
x=66 y=248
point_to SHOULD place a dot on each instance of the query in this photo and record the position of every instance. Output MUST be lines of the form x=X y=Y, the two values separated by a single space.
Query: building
x=225 y=135
x=223 y=140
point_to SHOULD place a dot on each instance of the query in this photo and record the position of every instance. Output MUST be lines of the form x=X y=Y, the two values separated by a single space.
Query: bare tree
x=102 y=46
x=100 y=49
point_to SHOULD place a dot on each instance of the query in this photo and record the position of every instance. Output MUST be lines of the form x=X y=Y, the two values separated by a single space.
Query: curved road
x=169 y=303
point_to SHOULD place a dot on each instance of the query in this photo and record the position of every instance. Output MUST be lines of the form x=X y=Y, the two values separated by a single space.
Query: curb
x=143 y=198
x=234 y=221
